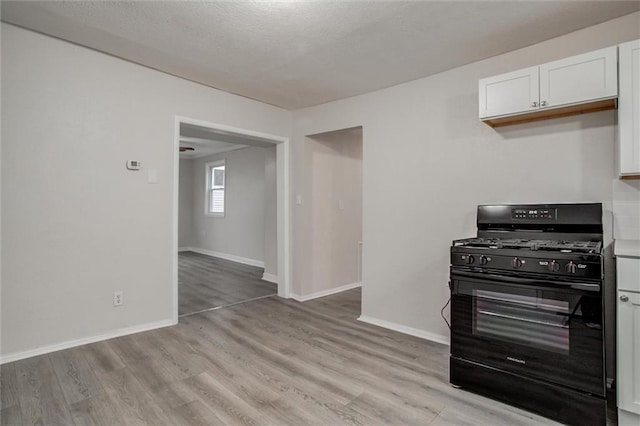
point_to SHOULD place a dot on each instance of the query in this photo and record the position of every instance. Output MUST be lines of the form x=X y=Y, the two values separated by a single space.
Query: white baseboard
x=627 y=418
x=270 y=277
x=184 y=249
x=232 y=257
x=16 y=356
x=324 y=293
x=438 y=338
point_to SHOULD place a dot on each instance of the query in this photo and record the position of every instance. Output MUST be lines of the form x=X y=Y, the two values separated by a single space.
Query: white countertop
x=626 y=248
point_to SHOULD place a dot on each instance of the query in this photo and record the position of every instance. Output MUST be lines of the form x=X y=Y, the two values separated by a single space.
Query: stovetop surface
x=562 y=246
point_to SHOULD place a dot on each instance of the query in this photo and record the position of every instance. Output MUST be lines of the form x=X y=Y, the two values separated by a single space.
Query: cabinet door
x=510 y=93
x=629 y=109
x=587 y=77
x=628 y=270
x=629 y=351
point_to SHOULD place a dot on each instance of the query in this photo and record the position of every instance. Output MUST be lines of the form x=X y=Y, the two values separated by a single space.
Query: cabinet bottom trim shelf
x=545 y=114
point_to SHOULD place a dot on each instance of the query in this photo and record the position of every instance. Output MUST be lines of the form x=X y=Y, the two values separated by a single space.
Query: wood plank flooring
x=206 y=282
x=267 y=362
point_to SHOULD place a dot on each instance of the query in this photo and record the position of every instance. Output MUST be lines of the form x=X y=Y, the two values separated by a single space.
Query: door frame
x=283 y=185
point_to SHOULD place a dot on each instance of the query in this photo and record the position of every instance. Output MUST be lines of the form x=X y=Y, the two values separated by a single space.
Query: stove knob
x=554 y=266
x=484 y=260
x=516 y=263
x=470 y=259
x=571 y=268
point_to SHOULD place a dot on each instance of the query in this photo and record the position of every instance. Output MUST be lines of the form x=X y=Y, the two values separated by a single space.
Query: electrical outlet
x=118 y=298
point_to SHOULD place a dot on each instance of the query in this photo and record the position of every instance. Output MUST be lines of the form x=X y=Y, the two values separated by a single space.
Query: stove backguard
x=536 y=221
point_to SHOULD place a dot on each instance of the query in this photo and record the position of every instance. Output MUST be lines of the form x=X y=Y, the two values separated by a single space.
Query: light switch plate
x=152 y=176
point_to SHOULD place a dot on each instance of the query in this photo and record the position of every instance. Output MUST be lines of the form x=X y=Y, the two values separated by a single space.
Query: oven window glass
x=531 y=320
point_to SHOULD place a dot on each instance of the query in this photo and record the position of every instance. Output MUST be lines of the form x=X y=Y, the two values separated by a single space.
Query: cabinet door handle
x=543 y=103
x=534 y=104
x=624 y=298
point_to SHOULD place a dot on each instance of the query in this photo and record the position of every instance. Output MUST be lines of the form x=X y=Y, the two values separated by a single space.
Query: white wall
x=186 y=200
x=270 y=213
x=626 y=209
x=334 y=165
x=77 y=225
x=241 y=232
x=440 y=161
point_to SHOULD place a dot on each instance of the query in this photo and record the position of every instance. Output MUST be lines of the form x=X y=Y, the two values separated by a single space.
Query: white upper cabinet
x=508 y=93
x=582 y=83
x=581 y=78
x=629 y=109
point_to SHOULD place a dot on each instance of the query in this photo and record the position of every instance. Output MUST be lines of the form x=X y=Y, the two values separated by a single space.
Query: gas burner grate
x=533 y=245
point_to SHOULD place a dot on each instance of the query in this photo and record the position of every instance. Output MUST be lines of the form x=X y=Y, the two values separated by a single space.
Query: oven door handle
x=512 y=317
x=495 y=279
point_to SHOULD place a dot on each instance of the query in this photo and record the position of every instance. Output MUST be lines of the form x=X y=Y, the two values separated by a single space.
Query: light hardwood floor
x=270 y=361
x=206 y=282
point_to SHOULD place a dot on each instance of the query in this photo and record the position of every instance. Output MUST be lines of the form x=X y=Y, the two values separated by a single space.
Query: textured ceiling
x=301 y=53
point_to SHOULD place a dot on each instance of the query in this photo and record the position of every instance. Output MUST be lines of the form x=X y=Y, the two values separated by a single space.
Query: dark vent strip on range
x=527 y=309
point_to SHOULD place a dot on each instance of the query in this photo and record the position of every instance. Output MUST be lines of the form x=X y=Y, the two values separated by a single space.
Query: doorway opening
x=231 y=221
x=333 y=161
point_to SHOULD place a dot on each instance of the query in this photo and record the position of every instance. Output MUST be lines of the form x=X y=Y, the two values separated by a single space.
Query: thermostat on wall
x=133 y=165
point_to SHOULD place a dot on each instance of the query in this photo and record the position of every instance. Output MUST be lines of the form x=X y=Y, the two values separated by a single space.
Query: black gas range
x=527 y=310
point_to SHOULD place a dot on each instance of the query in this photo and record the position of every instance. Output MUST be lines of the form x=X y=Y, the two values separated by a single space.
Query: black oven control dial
x=571 y=268
x=468 y=259
x=484 y=260
x=516 y=263
x=553 y=266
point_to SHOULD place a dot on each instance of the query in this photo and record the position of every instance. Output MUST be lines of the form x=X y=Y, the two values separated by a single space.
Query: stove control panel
x=533 y=213
x=577 y=266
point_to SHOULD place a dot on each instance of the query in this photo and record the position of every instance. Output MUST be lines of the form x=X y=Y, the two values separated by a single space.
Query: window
x=214 y=198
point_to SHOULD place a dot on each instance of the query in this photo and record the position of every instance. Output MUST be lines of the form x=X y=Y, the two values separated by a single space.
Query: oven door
x=541 y=329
